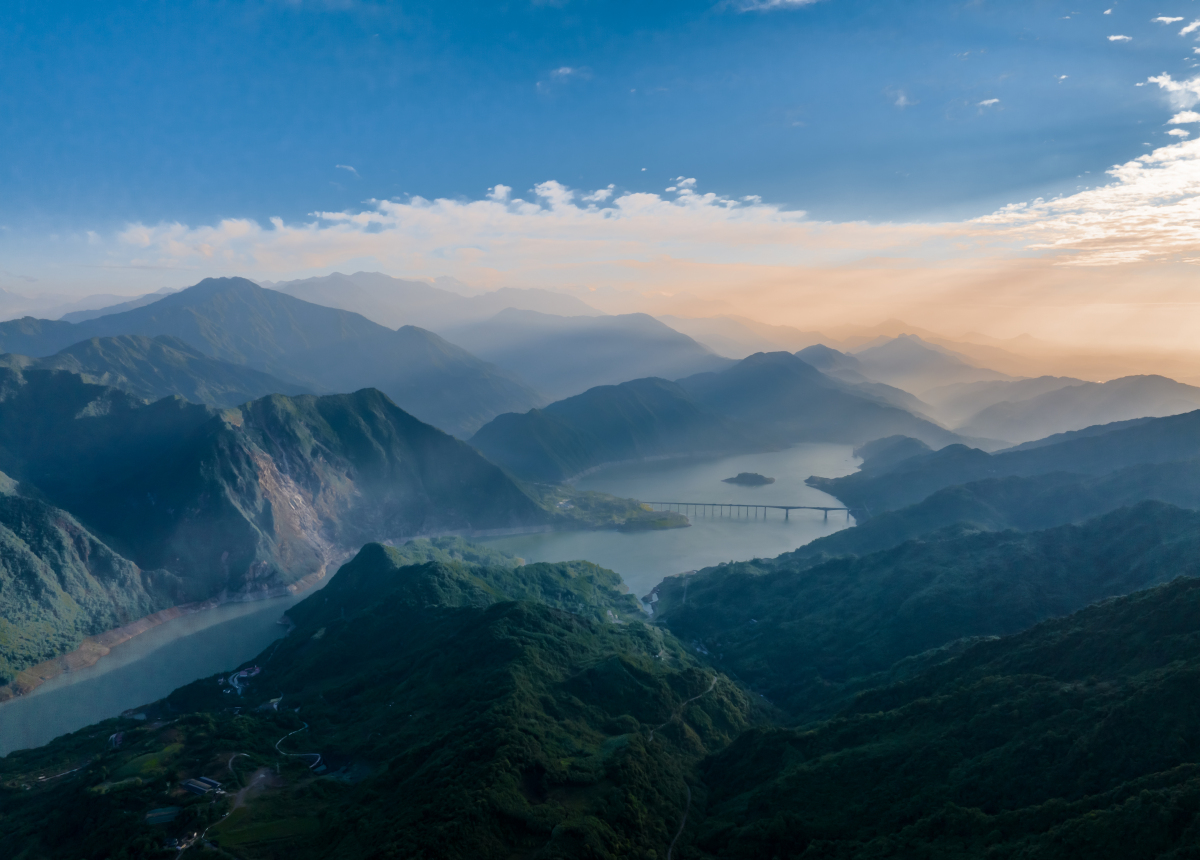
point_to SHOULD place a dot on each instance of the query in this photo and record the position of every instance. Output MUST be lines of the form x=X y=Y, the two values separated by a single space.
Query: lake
x=150 y=666
x=644 y=558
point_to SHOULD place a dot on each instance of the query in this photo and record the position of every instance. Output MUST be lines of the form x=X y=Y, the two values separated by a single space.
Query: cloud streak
x=1149 y=213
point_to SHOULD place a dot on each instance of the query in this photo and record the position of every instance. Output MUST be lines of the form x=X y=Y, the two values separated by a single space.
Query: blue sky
x=149 y=111
x=998 y=165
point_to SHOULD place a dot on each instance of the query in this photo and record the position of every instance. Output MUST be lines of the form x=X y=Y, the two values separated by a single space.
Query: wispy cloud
x=1184 y=116
x=770 y=5
x=1120 y=38
x=1149 y=212
x=1179 y=132
x=563 y=75
x=1162 y=19
x=1192 y=27
x=989 y=102
x=346 y=167
x=1183 y=94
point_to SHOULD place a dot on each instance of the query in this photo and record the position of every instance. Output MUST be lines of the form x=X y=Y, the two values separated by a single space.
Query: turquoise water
x=150 y=666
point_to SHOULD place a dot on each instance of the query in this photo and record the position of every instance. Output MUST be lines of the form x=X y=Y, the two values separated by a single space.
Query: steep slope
x=456 y=722
x=563 y=356
x=247 y=500
x=153 y=368
x=1084 y=405
x=60 y=583
x=1076 y=738
x=916 y=365
x=323 y=349
x=396 y=302
x=609 y=423
x=778 y=396
x=809 y=636
x=1158 y=440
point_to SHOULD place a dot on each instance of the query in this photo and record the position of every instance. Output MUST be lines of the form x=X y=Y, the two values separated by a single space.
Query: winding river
x=153 y=664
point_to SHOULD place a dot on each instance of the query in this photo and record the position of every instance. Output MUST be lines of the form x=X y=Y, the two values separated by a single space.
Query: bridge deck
x=740 y=507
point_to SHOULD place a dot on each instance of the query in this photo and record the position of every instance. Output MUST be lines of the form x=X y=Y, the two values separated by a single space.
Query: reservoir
x=644 y=558
x=179 y=651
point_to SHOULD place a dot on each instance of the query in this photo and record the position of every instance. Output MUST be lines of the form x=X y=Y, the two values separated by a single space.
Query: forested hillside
x=1097 y=452
x=1077 y=738
x=455 y=722
x=808 y=637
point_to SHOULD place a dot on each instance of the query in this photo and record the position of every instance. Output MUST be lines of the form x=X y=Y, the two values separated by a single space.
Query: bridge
x=738 y=511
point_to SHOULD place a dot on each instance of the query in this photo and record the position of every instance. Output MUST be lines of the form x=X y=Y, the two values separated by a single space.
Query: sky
x=1007 y=167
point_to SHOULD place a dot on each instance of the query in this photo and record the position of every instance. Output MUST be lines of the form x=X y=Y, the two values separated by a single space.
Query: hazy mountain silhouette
x=152 y=368
x=562 y=356
x=847 y=368
x=765 y=401
x=395 y=302
x=1154 y=441
x=311 y=346
x=1083 y=405
x=955 y=404
x=606 y=424
x=739 y=337
x=94 y=312
x=916 y=365
x=781 y=397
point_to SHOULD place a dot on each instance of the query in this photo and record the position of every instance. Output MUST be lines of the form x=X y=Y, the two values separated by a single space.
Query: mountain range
x=1102 y=451
x=562 y=356
x=153 y=368
x=1085 y=404
x=244 y=501
x=395 y=302
x=765 y=401
x=314 y=347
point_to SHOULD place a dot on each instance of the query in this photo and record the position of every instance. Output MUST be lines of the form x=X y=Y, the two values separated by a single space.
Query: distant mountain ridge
x=165 y=366
x=314 y=347
x=563 y=356
x=765 y=401
x=1154 y=441
x=916 y=365
x=396 y=302
x=1085 y=404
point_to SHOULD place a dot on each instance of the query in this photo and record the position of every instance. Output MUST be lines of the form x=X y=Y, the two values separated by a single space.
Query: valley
x=573 y=633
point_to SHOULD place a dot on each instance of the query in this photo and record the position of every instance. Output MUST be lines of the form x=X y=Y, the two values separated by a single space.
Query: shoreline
x=94 y=648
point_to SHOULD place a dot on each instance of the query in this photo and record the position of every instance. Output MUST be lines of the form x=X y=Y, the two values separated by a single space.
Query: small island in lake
x=749 y=479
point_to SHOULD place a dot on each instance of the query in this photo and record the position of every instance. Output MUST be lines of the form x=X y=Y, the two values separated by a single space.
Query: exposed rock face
x=130 y=508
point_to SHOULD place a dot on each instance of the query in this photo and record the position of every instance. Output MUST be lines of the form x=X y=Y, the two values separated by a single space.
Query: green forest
x=441 y=699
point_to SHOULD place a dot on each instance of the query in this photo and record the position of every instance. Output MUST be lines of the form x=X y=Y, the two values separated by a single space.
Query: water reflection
x=644 y=558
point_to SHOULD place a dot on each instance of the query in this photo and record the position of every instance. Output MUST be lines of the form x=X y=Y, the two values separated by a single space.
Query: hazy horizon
x=1018 y=170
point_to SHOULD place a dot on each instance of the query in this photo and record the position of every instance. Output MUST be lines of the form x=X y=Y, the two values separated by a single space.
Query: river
x=153 y=664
